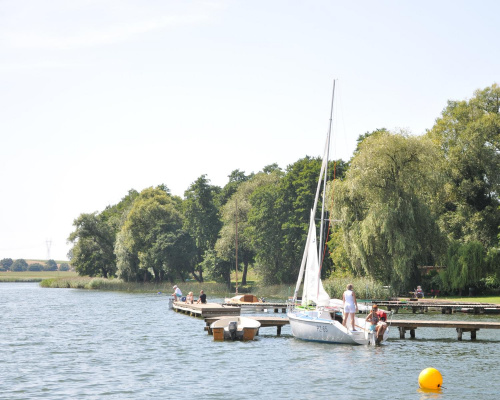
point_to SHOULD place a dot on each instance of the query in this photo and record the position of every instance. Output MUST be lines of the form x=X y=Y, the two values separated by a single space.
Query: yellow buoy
x=430 y=378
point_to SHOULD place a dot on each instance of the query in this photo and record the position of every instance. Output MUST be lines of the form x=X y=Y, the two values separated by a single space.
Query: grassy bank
x=35 y=276
x=365 y=288
x=211 y=288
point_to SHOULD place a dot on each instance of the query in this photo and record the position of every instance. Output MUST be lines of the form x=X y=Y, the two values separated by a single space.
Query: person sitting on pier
x=419 y=292
x=177 y=293
x=189 y=298
x=203 y=298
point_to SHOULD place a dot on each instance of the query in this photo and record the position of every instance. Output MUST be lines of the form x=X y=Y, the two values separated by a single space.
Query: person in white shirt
x=350 y=306
x=177 y=293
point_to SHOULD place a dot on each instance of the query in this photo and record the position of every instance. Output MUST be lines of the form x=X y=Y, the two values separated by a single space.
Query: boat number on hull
x=322 y=328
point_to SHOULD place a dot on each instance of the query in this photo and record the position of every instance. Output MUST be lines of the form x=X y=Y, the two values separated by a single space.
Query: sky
x=98 y=97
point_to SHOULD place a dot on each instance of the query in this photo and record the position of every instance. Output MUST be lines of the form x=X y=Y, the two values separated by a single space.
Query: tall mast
x=236 y=236
x=320 y=249
x=313 y=211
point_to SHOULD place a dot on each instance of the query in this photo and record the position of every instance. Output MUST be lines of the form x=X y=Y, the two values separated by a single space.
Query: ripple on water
x=65 y=343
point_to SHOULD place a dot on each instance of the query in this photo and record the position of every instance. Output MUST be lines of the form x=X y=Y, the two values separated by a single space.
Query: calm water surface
x=66 y=343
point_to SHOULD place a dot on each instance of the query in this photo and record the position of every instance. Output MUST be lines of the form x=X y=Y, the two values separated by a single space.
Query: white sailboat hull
x=318 y=326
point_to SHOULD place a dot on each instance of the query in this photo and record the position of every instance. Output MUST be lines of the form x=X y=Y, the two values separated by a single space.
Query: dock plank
x=205 y=310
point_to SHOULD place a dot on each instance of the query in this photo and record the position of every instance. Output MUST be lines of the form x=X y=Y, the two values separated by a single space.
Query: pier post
x=401 y=332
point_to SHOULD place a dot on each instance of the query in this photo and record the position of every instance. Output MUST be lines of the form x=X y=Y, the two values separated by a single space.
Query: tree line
x=20 y=265
x=401 y=203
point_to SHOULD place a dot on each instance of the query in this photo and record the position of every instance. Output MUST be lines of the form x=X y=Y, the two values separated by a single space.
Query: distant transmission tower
x=48 y=242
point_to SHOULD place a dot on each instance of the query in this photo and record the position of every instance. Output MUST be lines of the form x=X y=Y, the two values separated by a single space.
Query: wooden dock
x=205 y=310
x=261 y=306
x=402 y=325
x=460 y=326
x=446 y=307
x=264 y=323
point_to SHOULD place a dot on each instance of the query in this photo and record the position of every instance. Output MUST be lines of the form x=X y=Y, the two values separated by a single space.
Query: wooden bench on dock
x=460 y=326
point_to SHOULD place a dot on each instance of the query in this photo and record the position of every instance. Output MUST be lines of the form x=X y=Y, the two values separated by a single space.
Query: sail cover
x=313 y=287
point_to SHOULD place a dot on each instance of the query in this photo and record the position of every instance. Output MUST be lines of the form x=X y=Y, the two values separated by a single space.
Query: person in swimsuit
x=373 y=318
x=350 y=306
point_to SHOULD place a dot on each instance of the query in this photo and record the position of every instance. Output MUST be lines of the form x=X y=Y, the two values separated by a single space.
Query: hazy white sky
x=101 y=96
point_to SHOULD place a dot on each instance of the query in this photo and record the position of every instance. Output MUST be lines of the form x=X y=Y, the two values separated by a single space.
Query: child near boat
x=373 y=318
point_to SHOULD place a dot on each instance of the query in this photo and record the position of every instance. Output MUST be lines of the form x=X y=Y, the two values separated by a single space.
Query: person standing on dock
x=203 y=298
x=350 y=305
x=177 y=293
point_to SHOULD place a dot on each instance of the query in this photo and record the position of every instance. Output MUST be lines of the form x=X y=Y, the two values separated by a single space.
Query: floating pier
x=276 y=307
x=447 y=307
x=264 y=322
x=205 y=310
x=402 y=325
x=460 y=326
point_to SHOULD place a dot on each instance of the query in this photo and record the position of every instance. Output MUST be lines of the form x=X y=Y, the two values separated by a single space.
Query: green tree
x=466 y=265
x=385 y=205
x=238 y=209
x=19 y=265
x=236 y=178
x=50 y=265
x=93 y=245
x=468 y=134
x=35 y=267
x=201 y=218
x=152 y=240
x=64 y=267
x=279 y=219
x=95 y=236
x=217 y=268
x=6 y=263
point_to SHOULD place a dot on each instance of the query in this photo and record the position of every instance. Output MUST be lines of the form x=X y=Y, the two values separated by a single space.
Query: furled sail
x=313 y=290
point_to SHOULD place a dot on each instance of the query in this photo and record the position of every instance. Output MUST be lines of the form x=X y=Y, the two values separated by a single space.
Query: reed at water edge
x=365 y=288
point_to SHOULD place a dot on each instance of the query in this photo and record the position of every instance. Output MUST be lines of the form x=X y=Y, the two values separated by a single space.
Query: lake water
x=67 y=343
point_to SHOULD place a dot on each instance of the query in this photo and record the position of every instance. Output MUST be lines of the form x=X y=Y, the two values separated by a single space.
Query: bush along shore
x=365 y=288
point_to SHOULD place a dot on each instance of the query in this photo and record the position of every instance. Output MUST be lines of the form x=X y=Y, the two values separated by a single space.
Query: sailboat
x=318 y=318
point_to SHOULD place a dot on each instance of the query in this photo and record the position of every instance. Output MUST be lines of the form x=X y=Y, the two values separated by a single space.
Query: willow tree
x=466 y=265
x=152 y=239
x=468 y=134
x=386 y=206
